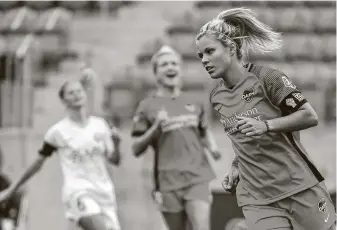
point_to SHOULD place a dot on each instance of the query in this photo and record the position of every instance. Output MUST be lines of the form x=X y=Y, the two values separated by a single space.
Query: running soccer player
x=262 y=111
x=83 y=143
x=176 y=128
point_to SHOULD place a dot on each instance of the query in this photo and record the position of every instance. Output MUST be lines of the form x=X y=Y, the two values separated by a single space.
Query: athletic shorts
x=311 y=209
x=174 y=201
x=85 y=204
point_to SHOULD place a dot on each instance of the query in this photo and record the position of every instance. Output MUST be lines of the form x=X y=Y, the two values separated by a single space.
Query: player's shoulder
x=98 y=121
x=265 y=73
x=147 y=101
x=59 y=126
x=215 y=87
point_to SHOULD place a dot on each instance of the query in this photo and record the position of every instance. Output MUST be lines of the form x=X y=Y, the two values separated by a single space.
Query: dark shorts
x=311 y=209
x=174 y=201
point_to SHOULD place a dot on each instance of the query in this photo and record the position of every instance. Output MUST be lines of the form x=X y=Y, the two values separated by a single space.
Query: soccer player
x=262 y=111
x=83 y=143
x=176 y=128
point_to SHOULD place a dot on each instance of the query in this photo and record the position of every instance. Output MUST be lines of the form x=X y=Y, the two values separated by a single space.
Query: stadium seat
x=19 y=20
x=324 y=19
x=40 y=5
x=75 y=5
x=195 y=70
x=6 y=5
x=184 y=43
x=315 y=44
x=293 y=19
x=328 y=47
x=304 y=75
x=297 y=47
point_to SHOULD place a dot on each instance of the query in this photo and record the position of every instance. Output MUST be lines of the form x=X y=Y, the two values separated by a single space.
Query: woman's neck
x=168 y=91
x=79 y=115
x=234 y=75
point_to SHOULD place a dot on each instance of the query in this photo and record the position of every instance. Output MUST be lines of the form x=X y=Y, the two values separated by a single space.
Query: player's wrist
x=267 y=124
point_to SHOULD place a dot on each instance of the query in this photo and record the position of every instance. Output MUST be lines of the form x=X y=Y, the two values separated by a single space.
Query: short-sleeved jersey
x=180 y=159
x=82 y=152
x=274 y=165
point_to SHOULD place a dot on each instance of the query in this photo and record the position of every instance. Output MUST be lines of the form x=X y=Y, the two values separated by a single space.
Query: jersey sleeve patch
x=47 y=149
x=292 y=102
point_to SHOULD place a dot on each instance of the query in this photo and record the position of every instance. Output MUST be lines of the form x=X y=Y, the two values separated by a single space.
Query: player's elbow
x=310 y=116
x=138 y=148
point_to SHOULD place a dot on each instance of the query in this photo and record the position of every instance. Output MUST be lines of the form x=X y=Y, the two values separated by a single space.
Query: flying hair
x=241 y=27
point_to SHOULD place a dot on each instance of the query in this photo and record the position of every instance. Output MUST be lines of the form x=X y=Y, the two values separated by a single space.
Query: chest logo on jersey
x=288 y=83
x=191 y=108
x=248 y=94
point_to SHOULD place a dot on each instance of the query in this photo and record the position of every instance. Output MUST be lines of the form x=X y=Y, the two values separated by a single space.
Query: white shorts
x=84 y=204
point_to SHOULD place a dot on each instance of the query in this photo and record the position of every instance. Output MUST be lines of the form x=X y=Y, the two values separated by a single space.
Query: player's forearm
x=209 y=141
x=29 y=173
x=141 y=143
x=235 y=162
x=299 y=120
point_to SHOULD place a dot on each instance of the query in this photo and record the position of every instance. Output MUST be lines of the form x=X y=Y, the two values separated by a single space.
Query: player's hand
x=115 y=135
x=162 y=115
x=231 y=180
x=216 y=154
x=251 y=126
x=157 y=197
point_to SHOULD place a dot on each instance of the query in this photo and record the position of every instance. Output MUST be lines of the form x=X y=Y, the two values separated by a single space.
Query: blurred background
x=44 y=43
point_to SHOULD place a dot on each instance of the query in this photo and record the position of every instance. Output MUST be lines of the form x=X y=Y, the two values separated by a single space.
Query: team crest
x=248 y=94
x=190 y=107
x=322 y=208
x=291 y=102
x=288 y=83
x=98 y=137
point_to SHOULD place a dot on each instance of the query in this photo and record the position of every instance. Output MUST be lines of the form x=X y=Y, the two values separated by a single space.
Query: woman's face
x=215 y=57
x=168 y=70
x=74 y=95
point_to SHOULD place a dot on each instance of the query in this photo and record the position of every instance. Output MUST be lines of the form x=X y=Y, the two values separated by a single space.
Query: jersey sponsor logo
x=322 y=208
x=191 y=108
x=298 y=96
x=291 y=102
x=288 y=83
x=248 y=94
x=182 y=121
x=229 y=123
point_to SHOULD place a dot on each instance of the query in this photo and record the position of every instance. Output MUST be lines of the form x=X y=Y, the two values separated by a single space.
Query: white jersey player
x=83 y=144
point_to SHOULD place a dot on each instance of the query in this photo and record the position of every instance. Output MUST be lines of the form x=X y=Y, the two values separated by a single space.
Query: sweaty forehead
x=207 y=42
x=167 y=57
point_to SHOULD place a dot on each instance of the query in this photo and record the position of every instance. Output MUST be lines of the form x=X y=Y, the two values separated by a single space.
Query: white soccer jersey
x=82 y=151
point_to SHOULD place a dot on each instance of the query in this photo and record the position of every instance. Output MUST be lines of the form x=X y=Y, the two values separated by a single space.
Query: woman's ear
x=232 y=49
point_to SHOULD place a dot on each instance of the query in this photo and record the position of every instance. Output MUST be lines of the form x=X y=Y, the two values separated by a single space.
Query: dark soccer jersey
x=180 y=159
x=275 y=165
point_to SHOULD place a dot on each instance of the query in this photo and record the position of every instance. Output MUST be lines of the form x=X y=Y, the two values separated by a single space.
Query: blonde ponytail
x=241 y=27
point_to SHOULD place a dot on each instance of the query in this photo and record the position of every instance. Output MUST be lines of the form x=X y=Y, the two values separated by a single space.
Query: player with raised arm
x=262 y=111
x=84 y=144
x=175 y=126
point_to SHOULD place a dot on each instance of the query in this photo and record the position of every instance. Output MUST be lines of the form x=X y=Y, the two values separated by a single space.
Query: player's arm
x=35 y=167
x=208 y=139
x=298 y=114
x=113 y=146
x=142 y=140
x=143 y=131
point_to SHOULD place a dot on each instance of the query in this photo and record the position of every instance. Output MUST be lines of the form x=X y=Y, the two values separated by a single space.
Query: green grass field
x=133 y=178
